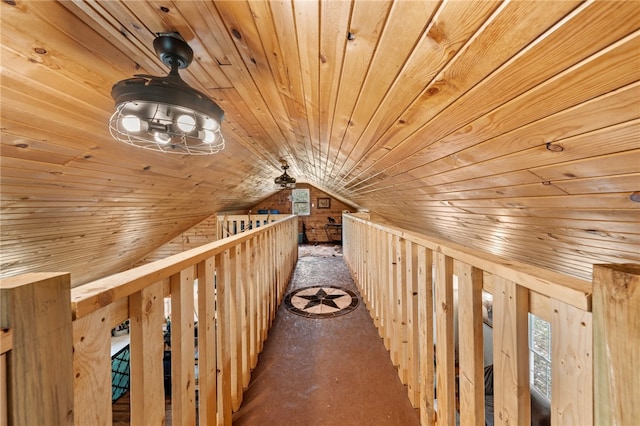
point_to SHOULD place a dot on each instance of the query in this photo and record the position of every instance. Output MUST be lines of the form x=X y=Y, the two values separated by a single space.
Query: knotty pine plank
x=498 y=241
x=601 y=112
x=239 y=117
x=603 y=167
x=274 y=22
x=461 y=148
x=407 y=21
x=71 y=50
x=574 y=252
x=334 y=18
x=250 y=52
x=584 y=236
x=366 y=27
x=438 y=45
x=464 y=71
x=123 y=35
x=601 y=74
x=205 y=72
x=626 y=182
x=204 y=15
x=618 y=138
x=308 y=45
x=285 y=24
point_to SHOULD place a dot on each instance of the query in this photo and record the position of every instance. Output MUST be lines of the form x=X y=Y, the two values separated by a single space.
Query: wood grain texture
x=444 y=331
x=470 y=341
x=183 y=381
x=616 y=329
x=434 y=115
x=512 y=400
x=35 y=308
x=92 y=368
x=207 y=342
x=147 y=349
x=572 y=365
x=426 y=335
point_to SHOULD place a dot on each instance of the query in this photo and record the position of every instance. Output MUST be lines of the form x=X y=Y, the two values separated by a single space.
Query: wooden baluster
x=384 y=293
x=235 y=343
x=376 y=281
x=470 y=349
x=425 y=334
x=183 y=406
x=616 y=343
x=252 y=288
x=512 y=398
x=411 y=256
x=445 y=353
x=400 y=305
x=207 y=345
x=37 y=308
x=147 y=350
x=223 y=303
x=243 y=326
x=571 y=365
x=92 y=368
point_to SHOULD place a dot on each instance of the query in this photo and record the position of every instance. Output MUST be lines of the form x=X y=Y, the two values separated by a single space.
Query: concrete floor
x=327 y=371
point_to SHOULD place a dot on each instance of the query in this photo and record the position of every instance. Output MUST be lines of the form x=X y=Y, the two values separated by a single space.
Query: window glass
x=540 y=355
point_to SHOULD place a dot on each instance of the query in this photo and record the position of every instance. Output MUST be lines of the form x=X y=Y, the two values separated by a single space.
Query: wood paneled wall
x=314 y=223
x=203 y=233
x=509 y=126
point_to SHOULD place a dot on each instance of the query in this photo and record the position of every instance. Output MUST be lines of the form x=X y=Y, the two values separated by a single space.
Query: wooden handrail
x=570 y=290
x=407 y=282
x=240 y=282
x=232 y=224
x=97 y=294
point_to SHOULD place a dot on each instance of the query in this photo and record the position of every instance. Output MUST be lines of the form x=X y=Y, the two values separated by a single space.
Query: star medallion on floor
x=321 y=301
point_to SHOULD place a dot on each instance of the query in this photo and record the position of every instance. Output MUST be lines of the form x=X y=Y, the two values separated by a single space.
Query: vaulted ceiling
x=509 y=127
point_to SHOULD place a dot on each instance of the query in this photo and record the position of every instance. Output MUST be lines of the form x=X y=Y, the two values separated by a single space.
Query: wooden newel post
x=616 y=343
x=37 y=307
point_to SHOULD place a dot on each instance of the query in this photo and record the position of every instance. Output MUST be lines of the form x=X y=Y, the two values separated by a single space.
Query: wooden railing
x=406 y=281
x=6 y=343
x=65 y=376
x=228 y=225
x=57 y=339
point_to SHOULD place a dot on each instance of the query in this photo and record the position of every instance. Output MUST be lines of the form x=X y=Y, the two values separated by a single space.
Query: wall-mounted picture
x=324 y=203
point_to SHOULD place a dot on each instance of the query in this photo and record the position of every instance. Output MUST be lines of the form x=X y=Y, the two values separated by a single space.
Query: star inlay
x=321 y=298
x=321 y=301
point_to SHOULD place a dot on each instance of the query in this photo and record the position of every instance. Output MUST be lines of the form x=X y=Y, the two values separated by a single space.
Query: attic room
x=463 y=157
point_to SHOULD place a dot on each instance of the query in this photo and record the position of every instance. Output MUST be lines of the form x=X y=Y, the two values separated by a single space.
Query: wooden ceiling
x=510 y=127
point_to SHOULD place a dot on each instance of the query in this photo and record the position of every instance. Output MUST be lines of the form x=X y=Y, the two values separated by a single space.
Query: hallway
x=324 y=371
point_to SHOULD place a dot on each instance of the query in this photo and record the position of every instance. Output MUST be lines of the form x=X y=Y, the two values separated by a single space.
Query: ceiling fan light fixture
x=284 y=180
x=164 y=113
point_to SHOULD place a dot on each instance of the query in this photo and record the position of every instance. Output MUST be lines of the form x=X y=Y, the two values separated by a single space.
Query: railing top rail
x=570 y=290
x=252 y=216
x=92 y=296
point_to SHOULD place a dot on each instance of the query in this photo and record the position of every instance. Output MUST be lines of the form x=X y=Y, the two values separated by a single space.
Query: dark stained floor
x=318 y=372
x=328 y=371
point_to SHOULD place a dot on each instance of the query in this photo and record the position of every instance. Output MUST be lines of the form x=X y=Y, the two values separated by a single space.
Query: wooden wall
x=315 y=222
x=511 y=127
x=203 y=233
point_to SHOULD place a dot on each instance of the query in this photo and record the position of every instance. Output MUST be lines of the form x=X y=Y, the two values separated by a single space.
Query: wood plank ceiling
x=509 y=127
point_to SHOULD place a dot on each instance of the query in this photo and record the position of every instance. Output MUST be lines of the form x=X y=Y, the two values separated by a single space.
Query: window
x=300 y=202
x=540 y=355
